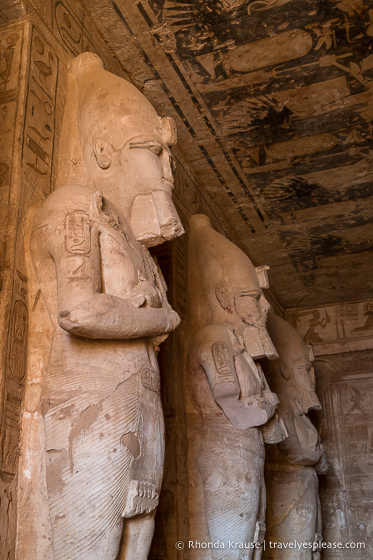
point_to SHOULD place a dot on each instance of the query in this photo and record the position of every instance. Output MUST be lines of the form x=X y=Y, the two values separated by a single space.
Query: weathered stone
x=228 y=397
x=293 y=509
x=92 y=441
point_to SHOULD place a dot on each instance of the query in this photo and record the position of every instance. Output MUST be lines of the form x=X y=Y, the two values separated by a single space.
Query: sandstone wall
x=37 y=40
x=342 y=340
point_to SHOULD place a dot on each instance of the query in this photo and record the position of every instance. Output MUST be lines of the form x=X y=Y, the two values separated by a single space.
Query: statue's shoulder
x=66 y=199
x=211 y=336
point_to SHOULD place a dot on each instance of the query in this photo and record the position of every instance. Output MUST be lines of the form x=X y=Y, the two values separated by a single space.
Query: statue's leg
x=260 y=527
x=137 y=537
x=147 y=479
x=88 y=467
x=293 y=506
x=230 y=463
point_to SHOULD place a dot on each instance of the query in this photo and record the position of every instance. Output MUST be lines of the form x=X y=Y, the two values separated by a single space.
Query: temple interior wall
x=32 y=96
x=341 y=338
x=40 y=41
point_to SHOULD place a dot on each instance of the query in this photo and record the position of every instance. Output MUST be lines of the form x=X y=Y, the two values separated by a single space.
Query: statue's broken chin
x=154 y=219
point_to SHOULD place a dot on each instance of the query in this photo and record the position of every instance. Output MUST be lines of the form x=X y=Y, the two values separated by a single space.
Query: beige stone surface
x=93 y=437
x=33 y=62
x=278 y=158
x=293 y=503
x=345 y=386
x=228 y=396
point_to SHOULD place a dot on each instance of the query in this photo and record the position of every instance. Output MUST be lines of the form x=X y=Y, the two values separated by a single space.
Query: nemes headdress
x=216 y=264
x=102 y=104
x=221 y=261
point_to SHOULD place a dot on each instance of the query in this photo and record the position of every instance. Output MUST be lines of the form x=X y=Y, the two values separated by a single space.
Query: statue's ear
x=222 y=296
x=103 y=151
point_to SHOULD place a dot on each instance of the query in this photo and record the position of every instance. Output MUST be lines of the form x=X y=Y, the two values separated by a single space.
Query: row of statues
x=92 y=448
x=232 y=411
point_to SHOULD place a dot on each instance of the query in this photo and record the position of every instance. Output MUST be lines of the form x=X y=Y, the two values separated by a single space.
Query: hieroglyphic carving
x=344 y=324
x=18 y=329
x=69 y=27
x=346 y=389
x=14 y=383
x=74 y=29
x=10 y=53
x=11 y=11
x=8 y=111
x=13 y=283
x=40 y=111
x=10 y=50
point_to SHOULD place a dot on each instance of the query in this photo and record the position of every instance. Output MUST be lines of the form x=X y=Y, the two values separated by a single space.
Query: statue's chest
x=127 y=270
x=306 y=432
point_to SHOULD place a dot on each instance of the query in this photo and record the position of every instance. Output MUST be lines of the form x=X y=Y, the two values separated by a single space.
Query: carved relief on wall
x=10 y=52
x=338 y=324
x=8 y=112
x=12 y=11
x=69 y=27
x=13 y=283
x=346 y=390
x=14 y=392
x=11 y=410
x=40 y=111
x=73 y=28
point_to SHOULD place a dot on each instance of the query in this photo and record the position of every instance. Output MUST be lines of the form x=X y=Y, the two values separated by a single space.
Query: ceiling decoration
x=274 y=100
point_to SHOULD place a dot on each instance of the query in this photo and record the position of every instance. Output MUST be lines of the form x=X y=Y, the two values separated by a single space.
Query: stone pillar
x=35 y=47
x=26 y=135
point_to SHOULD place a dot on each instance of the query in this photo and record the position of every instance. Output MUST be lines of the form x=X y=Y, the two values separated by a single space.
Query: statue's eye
x=156 y=149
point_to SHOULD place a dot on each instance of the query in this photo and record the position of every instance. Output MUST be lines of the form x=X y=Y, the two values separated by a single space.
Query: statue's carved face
x=304 y=378
x=252 y=307
x=301 y=376
x=147 y=166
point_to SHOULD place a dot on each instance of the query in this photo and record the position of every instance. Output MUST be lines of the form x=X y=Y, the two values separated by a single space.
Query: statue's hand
x=322 y=466
x=172 y=320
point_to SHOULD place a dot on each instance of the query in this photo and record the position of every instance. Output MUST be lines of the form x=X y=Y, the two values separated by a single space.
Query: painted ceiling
x=274 y=105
